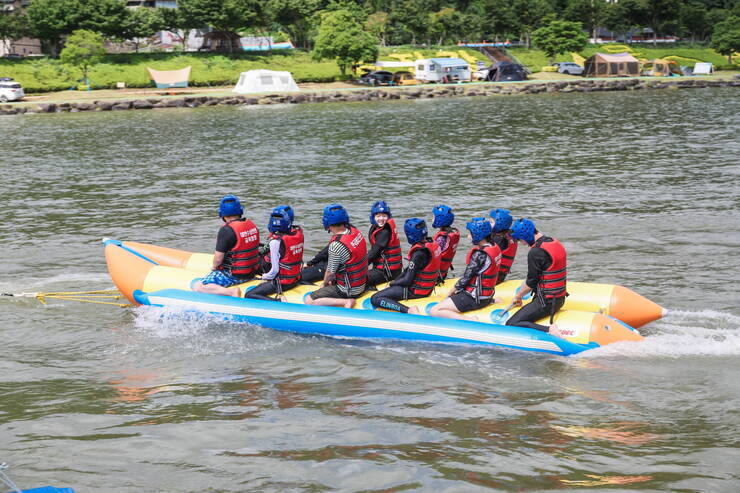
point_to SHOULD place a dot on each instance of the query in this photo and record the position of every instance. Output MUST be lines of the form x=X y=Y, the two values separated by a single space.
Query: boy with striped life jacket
x=477 y=285
x=546 y=277
x=236 y=259
x=501 y=236
x=419 y=277
x=447 y=237
x=385 y=246
x=286 y=257
x=346 y=269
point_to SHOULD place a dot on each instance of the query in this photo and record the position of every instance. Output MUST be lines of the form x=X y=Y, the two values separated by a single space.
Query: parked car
x=16 y=56
x=404 y=78
x=569 y=68
x=377 y=78
x=10 y=90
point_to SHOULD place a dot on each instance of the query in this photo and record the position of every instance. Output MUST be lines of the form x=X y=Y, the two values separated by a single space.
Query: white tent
x=265 y=81
x=703 y=68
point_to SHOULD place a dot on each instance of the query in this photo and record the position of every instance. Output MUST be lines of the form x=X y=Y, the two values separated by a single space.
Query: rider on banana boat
x=501 y=236
x=237 y=250
x=546 y=277
x=286 y=257
x=346 y=270
x=447 y=237
x=476 y=287
x=419 y=277
x=385 y=246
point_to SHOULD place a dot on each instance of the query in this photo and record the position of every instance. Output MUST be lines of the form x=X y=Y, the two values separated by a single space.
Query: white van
x=10 y=90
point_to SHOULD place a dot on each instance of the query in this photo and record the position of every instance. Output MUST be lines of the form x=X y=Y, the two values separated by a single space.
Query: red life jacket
x=243 y=259
x=289 y=271
x=552 y=283
x=427 y=278
x=453 y=238
x=507 y=258
x=354 y=273
x=390 y=258
x=483 y=285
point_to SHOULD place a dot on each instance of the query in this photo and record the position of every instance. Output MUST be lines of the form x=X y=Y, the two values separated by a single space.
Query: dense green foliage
x=343 y=37
x=83 y=49
x=726 y=39
x=560 y=37
x=394 y=22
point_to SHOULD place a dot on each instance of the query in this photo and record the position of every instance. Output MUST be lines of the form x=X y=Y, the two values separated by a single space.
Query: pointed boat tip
x=664 y=312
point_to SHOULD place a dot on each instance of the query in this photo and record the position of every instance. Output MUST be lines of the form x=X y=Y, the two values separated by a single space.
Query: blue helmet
x=230 y=206
x=479 y=228
x=443 y=216
x=279 y=221
x=415 y=229
x=335 y=214
x=287 y=209
x=379 y=207
x=523 y=229
x=502 y=220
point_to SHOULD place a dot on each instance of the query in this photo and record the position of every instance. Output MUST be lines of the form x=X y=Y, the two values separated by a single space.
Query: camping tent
x=607 y=65
x=170 y=78
x=661 y=68
x=265 y=81
x=506 y=71
x=703 y=68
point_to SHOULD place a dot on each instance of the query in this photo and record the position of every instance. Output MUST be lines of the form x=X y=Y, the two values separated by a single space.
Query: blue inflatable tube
x=343 y=322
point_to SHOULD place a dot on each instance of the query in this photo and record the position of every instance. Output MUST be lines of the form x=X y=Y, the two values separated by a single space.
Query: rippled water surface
x=642 y=189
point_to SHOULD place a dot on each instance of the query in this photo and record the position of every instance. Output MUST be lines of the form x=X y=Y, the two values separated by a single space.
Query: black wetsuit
x=399 y=287
x=538 y=261
x=379 y=276
x=316 y=267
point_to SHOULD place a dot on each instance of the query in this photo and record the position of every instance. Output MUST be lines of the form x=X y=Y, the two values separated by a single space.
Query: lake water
x=641 y=188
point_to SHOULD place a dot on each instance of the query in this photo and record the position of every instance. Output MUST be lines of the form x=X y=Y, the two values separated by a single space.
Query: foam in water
x=681 y=333
x=203 y=333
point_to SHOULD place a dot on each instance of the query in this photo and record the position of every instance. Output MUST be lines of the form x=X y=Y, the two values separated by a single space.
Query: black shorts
x=331 y=291
x=465 y=302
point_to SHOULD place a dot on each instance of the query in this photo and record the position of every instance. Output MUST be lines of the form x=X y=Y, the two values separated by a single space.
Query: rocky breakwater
x=388 y=93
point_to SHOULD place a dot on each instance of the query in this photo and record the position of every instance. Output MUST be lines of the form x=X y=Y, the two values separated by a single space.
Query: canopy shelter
x=265 y=81
x=661 y=68
x=170 y=78
x=506 y=71
x=611 y=65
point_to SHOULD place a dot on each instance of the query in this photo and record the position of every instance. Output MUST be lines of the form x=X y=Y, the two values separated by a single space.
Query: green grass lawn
x=208 y=69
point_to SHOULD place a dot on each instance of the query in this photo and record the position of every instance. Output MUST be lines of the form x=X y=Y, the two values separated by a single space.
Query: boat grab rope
x=5 y=479
x=101 y=297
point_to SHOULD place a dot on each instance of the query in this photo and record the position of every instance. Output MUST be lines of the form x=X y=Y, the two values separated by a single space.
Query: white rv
x=444 y=70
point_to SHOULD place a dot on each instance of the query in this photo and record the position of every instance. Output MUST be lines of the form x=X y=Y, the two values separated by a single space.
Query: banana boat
x=160 y=276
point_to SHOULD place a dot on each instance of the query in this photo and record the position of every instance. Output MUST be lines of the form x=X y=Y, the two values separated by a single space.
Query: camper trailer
x=444 y=70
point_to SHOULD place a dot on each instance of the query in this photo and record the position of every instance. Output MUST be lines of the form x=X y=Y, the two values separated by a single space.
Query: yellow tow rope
x=98 y=297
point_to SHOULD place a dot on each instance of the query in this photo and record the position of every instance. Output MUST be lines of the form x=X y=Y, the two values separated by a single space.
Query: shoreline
x=224 y=97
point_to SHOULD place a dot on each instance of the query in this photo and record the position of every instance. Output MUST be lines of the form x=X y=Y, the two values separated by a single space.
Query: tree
x=226 y=16
x=445 y=23
x=49 y=20
x=344 y=38
x=726 y=37
x=589 y=12
x=530 y=14
x=140 y=23
x=661 y=15
x=693 y=19
x=377 y=24
x=83 y=49
x=296 y=17
x=12 y=26
x=559 y=37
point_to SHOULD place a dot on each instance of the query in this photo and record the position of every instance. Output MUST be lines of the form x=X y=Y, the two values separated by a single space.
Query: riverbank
x=343 y=92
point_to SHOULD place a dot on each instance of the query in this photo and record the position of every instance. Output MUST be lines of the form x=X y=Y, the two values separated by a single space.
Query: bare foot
x=554 y=330
x=472 y=318
x=283 y=299
x=414 y=310
x=349 y=303
x=236 y=293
